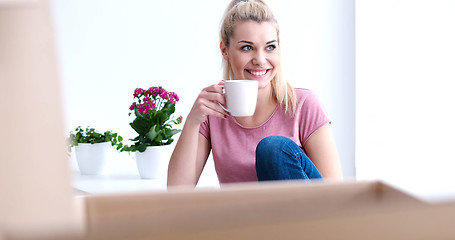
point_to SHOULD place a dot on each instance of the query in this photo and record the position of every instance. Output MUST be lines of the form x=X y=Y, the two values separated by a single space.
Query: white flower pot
x=91 y=158
x=154 y=161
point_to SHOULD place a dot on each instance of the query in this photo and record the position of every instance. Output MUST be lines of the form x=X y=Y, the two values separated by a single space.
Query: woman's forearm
x=183 y=166
x=192 y=149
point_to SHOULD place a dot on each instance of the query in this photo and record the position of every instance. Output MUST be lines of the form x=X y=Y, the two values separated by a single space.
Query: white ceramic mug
x=241 y=97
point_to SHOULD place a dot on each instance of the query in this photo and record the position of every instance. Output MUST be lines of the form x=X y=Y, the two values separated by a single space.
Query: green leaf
x=141 y=126
x=171 y=132
x=142 y=147
x=119 y=146
x=90 y=135
x=158 y=139
x=152 y=133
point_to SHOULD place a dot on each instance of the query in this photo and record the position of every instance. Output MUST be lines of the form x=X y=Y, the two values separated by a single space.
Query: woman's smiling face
x=253 y=52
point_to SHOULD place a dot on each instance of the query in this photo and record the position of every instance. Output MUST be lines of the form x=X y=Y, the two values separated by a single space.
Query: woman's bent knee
x=271 y=142
x=269 y=148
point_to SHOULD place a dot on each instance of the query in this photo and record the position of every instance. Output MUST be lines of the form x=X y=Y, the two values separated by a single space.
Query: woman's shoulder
x=309 y=102
x=304 y=93
x=307 y=99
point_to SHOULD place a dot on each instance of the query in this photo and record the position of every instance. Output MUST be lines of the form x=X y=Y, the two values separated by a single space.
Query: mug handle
x=225 y=109
x=224 y=92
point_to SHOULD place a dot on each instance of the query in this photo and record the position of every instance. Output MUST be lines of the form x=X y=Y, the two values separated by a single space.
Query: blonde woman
x=288 y=137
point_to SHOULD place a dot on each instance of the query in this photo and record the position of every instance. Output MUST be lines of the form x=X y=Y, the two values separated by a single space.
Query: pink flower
x=162 y=90
x=154 y=91
x=132 y=106
x=173 y=97
x=164 y=94
x=146 y=99
x=138 y=91
x=140 y=108
x=150 y=105
x=179 y=120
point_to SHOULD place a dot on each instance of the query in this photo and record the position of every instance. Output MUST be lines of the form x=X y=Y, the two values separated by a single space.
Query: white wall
x=405 y=79
x=108 y=48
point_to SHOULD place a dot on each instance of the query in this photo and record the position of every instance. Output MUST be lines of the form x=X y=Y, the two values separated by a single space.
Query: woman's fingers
x=213 y=96
x=217 y=88
x=207 y=103
x=210 y=107
x=215 y=107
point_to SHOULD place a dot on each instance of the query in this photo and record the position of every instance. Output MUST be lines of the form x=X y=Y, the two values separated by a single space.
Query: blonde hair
x=258 y=11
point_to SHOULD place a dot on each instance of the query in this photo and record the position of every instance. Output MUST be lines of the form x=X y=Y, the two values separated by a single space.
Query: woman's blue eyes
x=271 y=47
x=249 y=48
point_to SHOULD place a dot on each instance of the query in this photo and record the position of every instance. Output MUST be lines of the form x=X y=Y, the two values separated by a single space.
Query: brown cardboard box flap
x=275 y=210
x=243 y=209
x=35 y=176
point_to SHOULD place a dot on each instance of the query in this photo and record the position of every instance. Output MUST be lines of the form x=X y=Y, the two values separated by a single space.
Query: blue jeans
x=280 y=158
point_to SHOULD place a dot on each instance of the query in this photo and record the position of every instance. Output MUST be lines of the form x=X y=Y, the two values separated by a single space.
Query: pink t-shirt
x=234 y=146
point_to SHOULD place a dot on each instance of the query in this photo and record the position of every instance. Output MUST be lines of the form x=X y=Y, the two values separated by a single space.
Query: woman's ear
x=224 y=51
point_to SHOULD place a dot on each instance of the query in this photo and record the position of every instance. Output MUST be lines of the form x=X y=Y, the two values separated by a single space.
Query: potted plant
x=153 y=109
x=91 y=148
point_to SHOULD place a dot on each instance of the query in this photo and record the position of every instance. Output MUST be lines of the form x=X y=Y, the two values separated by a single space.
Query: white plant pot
x=91 y=158
x=154 y=161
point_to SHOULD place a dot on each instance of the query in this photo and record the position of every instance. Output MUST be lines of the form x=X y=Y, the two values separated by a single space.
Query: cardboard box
x=35 y=191
x=275 y=210
x=278 y=210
